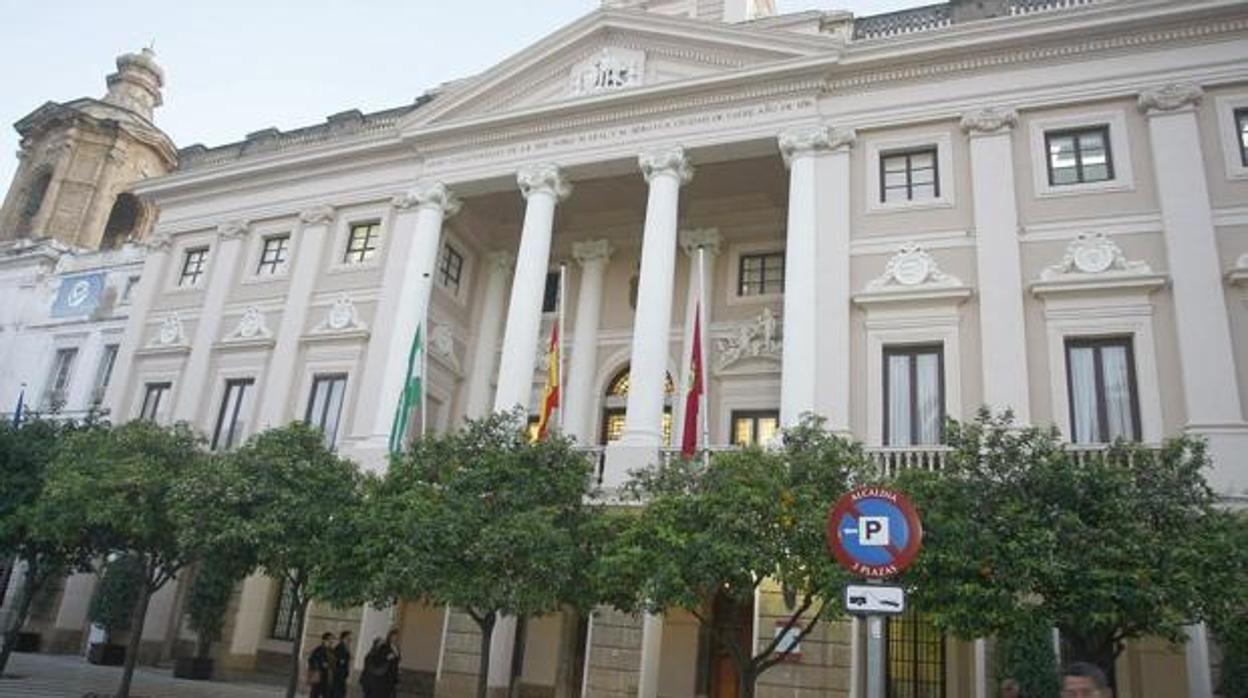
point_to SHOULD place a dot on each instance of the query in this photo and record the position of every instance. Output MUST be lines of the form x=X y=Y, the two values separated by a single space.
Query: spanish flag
x=550 y=398
x=693 y=398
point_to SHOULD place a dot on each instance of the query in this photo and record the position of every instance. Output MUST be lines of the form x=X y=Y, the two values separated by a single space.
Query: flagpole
x=563 y=287
x=424 y=354
x=706 y=384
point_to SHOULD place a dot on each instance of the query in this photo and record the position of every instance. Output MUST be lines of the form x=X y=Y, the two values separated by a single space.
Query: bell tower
x=731 y=11
x=79 y=158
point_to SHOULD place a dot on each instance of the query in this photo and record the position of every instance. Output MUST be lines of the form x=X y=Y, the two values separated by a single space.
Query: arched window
x=122 y=221
x=615 y=404
x=34 y=199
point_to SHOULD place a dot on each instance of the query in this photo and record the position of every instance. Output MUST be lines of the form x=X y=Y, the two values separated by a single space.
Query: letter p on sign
x=873 y=530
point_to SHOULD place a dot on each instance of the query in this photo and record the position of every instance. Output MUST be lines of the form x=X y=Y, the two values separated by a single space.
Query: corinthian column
x=666 y=171
x=485 y=345
x=998 y=262
x=593 y=257
x=411 y=256
x=1206 y=358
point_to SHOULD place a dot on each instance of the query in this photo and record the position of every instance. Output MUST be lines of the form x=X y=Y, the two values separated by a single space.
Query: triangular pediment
x=616 y=52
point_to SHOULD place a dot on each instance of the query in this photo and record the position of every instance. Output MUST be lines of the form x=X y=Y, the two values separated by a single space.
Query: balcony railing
x=1027 y=7
x=929 y=17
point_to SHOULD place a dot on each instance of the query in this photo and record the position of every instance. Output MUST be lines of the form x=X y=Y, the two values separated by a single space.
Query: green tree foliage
x=209 y=596
x=26 y=452
x=114 y=597
x=484 y=521
x=1018 y=529
x=751 y=515
x=117 y=485
x=1231 y=626
x=1026 y=656
x=282 y=502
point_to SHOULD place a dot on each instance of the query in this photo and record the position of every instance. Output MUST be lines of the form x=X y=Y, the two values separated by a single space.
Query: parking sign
x=874 y=532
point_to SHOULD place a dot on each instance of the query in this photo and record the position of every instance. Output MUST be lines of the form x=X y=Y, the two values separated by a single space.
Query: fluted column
x=666 y=171
x=695 y=243
x=593 y=258
x=1206 y=359
x=224 y=262
x=120 y=393
x=411 y=256
x=485 y=345
x=808 y=150
x=309 y=242
x=998 y=262
x=543 y=186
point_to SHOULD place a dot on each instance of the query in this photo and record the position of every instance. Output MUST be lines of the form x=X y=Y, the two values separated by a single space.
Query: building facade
x=1035 y=205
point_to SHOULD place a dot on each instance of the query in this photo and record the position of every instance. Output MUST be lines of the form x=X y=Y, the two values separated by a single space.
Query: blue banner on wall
x=79 y=295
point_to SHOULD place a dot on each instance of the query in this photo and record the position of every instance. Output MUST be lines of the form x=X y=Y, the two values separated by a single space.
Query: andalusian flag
x=693 y=394
x=409 y=415
x=550 y=398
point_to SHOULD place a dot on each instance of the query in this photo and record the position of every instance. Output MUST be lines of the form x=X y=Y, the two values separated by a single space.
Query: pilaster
x=119 y=393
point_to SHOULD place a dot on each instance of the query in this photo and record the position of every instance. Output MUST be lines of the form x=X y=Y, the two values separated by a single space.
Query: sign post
x=875 y=533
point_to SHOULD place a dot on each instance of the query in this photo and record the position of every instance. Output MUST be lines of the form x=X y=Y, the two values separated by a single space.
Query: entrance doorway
x=729 y=618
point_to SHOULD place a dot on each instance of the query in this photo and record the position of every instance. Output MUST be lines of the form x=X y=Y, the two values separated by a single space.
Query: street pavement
x=59 y=676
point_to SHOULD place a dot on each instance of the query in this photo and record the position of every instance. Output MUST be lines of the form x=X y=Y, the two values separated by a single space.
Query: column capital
x=592 y=251
x=691 y=240
x=672 y=161
x=428 y=195
x=1170 y=97
x=321 y=214
x=808 y=140
x=989 y=121
x=543 y=177
x=234 y=230
x=501 y=262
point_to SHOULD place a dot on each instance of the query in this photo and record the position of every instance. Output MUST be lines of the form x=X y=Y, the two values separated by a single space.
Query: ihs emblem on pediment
x=610 y=69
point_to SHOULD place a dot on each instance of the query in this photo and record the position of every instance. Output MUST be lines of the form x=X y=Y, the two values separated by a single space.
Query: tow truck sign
x=862 y=599
x=874 y=532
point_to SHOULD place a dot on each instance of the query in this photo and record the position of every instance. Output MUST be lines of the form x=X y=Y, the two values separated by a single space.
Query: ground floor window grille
x=284 y=613
x=914 y=657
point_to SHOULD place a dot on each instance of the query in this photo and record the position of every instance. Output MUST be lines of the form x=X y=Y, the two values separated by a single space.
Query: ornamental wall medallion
x=912 y=267
x=251 y=326
x=170 y=332
x=342 y=317
x=442 y=345
x=1090 y=254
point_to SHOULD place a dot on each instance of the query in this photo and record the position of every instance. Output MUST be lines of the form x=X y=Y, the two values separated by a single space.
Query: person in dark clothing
x=380 y=677
x=342 y=666
x=321 y=667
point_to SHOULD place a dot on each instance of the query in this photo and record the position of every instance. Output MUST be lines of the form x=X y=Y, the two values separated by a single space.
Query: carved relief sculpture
x=342 y=317
x=1091 y=254
x=755 y=339
x=912 y=267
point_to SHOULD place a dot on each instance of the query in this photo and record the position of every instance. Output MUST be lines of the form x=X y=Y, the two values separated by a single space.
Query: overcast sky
x=235 y=66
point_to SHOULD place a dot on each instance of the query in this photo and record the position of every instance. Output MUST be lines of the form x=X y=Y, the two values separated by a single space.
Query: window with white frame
x=362 y=242
x=58 y=379
x=232 y=417
x=103 y=373
x=153 y=395
x=450 y=268
x=909 y=175
x=194 y=261
x=273 y=255
x=1241 y=131
x=760 y=274
x=1079 y=155
x=325 y=404
x=1100 y=373
x=914 y=395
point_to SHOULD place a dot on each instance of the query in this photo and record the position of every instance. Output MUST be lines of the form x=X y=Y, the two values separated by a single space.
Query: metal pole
x=563 y=285
x=706 y=384
x=423 y=330
x=875 y=656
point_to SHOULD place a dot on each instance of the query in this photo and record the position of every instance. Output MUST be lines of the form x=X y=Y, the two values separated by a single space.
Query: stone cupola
x=136 y=84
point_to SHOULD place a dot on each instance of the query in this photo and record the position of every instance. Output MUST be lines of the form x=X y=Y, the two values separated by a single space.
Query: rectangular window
x=1241 y=128
x=550 y=294
x=362 y=243
x=909 y=175
x=233 y=414
x=754 y=427
x=613 y=425
x=103 y=373
x=1100 y=376
x=284 y=613
x=914 y=657
x=193 y=262
x=760 y=274
x=325 y=404
x=914 y=395
x=153 y=395
x=273 y=255
x=450 y=268
x=1079 y=156
x=58 y=380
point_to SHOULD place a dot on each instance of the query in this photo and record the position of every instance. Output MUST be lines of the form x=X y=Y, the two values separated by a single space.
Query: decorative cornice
x=700 y=238
x=1170 y=97
x=592 y=251
x=233 y=230
x=428 y=195
x=322 y=214
x=989 y=120
x=808 y=140
x=670 y=161
x=543 y=177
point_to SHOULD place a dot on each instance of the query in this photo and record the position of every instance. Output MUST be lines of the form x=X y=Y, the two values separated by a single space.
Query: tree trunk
x=29 y=587
x=136 y=637
x=518 y=647
x=747 y=679
x=296 y=649
x=483 y=667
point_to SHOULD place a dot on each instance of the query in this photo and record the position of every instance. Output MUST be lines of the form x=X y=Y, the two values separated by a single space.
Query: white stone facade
x=604 y=144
